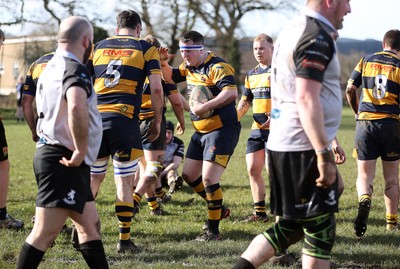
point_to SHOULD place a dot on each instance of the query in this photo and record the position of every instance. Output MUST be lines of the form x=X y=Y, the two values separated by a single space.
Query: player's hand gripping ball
x=201 y=94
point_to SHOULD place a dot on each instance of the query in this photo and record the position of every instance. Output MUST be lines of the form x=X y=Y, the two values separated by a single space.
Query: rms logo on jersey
x=383 y=67
x=123 y=53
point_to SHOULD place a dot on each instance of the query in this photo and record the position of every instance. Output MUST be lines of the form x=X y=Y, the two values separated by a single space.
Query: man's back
x=52 y=108
x=34 y=72
x=379 y=74
x=120 y=65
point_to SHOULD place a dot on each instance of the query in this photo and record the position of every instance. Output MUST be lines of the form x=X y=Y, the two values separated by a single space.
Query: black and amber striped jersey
x=120 y=65
x=34 y=72
x=218 y=76
x=146 y=109
x=379 y=76
x=257 y=90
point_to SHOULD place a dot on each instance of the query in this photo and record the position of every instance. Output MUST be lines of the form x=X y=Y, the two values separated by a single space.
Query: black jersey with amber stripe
x=146 y=109
x=217 y=75
x=379 y=76
x=34 y=72
x=120 y=65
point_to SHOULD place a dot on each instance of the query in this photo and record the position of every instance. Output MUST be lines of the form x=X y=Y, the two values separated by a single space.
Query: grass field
x=168 y=240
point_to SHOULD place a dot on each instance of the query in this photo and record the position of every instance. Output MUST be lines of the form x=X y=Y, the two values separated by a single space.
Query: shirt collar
x=314 y=14
x=68 y=54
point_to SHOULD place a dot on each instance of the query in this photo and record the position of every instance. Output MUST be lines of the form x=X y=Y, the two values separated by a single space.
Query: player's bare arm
x=166 y=69
x=177 y=107
x=78 y=122
x=185 y=103
x=311 y=117
x=340 y=155
x=225 y=97
x=352 y=98
x=176 y=161
x=157 y=101
x=29 y=114
x=243 y=107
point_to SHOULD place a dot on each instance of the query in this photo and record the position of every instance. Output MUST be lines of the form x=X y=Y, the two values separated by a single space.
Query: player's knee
x=320 y=237
x=391 y=182
x=254 y=169
x=185 y=177
x=124 y=169
x=189 y=180
x=153 y=169
x=283 y=234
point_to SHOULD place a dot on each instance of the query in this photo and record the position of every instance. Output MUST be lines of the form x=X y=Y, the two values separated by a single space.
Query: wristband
x=323 y=151
x=326 y=157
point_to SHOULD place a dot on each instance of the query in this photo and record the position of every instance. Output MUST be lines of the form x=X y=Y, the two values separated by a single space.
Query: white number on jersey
x=115 y=75
x=379 y=89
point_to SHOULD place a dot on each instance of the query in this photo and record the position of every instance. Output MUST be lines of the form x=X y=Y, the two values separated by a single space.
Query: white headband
x=191 y=47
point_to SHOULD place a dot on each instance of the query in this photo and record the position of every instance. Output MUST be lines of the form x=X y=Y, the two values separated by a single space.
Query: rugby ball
x=201 y=94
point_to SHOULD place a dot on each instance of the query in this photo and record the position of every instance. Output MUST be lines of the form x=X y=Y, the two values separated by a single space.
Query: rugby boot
x=360 y=223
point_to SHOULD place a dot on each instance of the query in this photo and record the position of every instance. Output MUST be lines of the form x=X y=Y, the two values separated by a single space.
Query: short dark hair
x=128 y=19
x=193 y=36
x=170 y=126
x=152 y=40
x=2 y=35
x=392 y=39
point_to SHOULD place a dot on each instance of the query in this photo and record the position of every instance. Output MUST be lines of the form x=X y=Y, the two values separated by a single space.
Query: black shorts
x=257 y=140
x=294 y=194
x=121 y=141
x=58 y=185
x=159 y=143
x=3 y=143
x=217 y=146
x=378 y=138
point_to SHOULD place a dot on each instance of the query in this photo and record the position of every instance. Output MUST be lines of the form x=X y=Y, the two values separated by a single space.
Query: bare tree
x=11 y=14
x=44 y=12
x=168 y=19
x=165 y=19
x=223 y=16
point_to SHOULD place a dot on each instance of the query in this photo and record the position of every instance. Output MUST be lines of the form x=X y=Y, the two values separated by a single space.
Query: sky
x=369 y=19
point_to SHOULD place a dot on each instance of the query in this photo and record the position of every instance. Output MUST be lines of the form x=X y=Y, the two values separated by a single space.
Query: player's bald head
x=73 y=29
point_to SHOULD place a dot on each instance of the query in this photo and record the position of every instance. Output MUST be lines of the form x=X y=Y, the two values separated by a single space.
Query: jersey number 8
x=379 y=89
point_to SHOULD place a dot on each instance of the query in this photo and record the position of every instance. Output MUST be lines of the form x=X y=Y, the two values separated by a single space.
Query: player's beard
x=87 y=52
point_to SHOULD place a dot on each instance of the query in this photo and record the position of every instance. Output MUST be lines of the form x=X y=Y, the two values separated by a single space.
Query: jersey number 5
x=114 y=75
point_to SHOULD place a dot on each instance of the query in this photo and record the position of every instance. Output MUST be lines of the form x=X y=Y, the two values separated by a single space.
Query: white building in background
x=16 y=56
